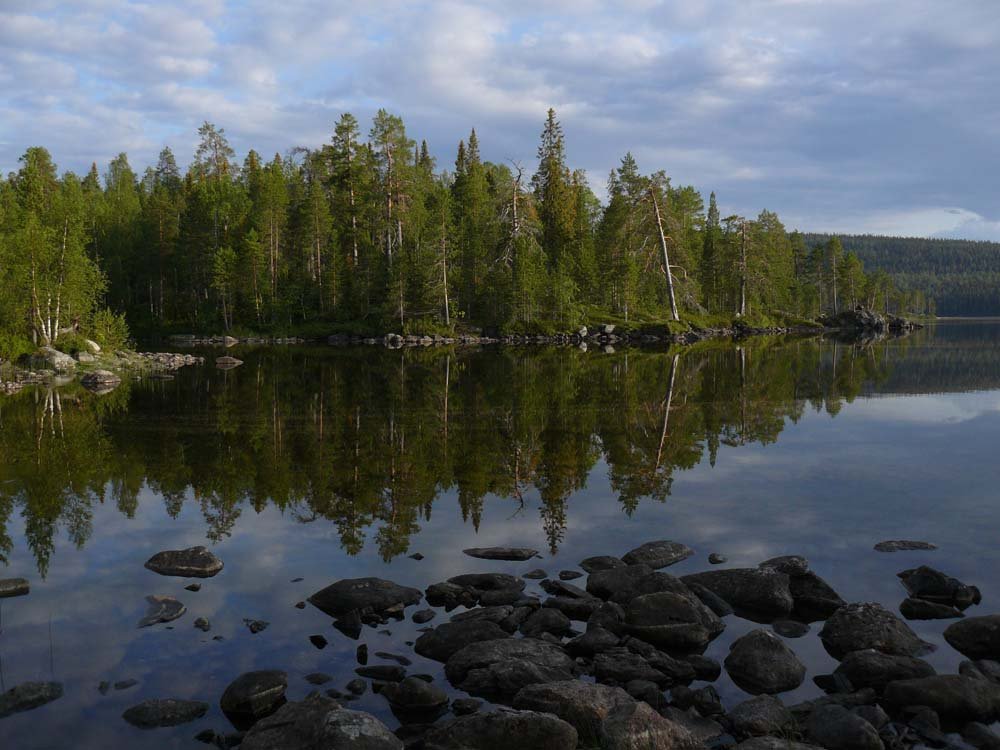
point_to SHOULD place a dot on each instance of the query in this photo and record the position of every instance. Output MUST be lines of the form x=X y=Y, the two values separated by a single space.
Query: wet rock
x=872 y=669
x=501 y=667
x=203 y=624
x=100 y=381
x=194 y=562
x=981 y=736
x=594 y=641
x=672 y=621
x=711 y=600
x=255 y=626
x=574 y=609
x=361 y=653
x=620 y=666
x=423 y=616
x=790 y=565
x=415 y=697
x=790 y=628
x=29 y=695
x=319 y=641
x=567 y=590
x=500 y=730
x=497 y=614
x=535 y=575
x=637 y=726
x=760 y=716
x=836 y=728
x=352 y=594
x=500 y=597
x=981 y=669
x=702 y=729
x=382 y=672
x=416 y=556
x=349 y=624
x=716 y=559
x=760 y=662
x=584 y=705
x=125 y=684
x=13 y=587
x=921 y=609
x=601 y=562
x=253 y=695
x=609 y=616
x=903 y=545
x=569 y=575
x=607 y=583
x=934 y=586
x=513 y=554
x=774 y=743
x=195 y=587
x=318 y=678
x=954 y=697
x=856 y=627
x=546 y=620
x=319 y=723
x=398 y=658
x=659 y=554
x=814 y=599
x=758 y=592
x=488 y=581
x=976 y=637
x=465 y=706
x=103 y=687
x=705 y=667
x=676 y=670
x=161 y=609
x=450 y=637
x=357 y=686
x=164 y=712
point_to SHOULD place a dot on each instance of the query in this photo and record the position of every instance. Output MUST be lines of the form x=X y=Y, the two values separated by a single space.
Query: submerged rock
x=855 y=627
x=934 y=586
x=760 y=662
x=903 y=545
x=514 y=554
x=319 y=723
x=194 y=562
x=161 y=609
x=659 y=554
x=976 y=637
x=254 y=695
x=352 y=594
x=29 y=695
x=13 y=587
x=164 y=712
x=601 y=562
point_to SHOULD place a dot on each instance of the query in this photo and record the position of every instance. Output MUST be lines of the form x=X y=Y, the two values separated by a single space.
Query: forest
x=962 y=277
x=367 y=234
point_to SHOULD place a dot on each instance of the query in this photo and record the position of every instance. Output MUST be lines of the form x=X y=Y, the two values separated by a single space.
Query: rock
x=672 y=621
x=319 y=723
x=501 y=667
x=774 y=743
x=361 y=653
x=981 y=669
x=934 y=586
x=790 y=565
x=874 y=715
x=569 y=575
x=161 y=609
x=546 y=620
x=814 y=599
x=954 y=697
x=609 y=616
x=203 y=624
x=582 y=704
x=497 y=614
x=49 y=358
x=382 y=672
x=711 y=600
x=903 y=545
x=465 y=706
x=601 y=562
x=416 y=556
x=227 y=363
x=515 y=554
x=760 y=662
x=357 y=686
x=349 y=624
x=423 y=616
x=414 y=696
x=535 y=575
x=621 y=666
x=976 y=637
x=594 y=641
x=100 y=381
x=194 y=562
x=125 y=684
x=981 y=736
x=574 y=609
x=658 y=554
x=921 y=609
x=164 y=712
x=760 y=716
x=620 y=581
x=836 y=728
x=85 y=358
x=353 y=594
x=28 y=695
x=705 y=667
x=450 y=637
x=319 y=641
x=638 y=726
x=195 y=587
x=872 y=669
x=488 y=581
x=856 y=627
x=758 y=592
x=255 y=626
x=254 y=695
x=716 y=559
x=502 y=729
x=13 y=587
x=790 y=628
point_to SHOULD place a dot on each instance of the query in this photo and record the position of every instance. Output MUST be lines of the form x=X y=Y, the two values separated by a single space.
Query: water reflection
x=367 y=439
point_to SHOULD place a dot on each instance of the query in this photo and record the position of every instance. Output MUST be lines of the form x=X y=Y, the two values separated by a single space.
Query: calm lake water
x=326 y=463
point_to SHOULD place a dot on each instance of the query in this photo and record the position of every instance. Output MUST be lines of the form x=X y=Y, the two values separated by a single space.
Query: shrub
x=109 y=330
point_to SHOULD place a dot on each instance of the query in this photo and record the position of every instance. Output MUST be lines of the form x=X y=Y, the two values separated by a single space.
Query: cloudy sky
x=845 y=115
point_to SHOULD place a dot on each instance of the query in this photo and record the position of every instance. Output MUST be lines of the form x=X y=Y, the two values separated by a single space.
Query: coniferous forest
x=368 y=234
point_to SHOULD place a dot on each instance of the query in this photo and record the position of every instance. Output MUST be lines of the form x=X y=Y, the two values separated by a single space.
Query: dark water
x=332 y=463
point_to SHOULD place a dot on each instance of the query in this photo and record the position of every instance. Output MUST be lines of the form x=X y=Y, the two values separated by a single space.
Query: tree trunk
x=666 y=257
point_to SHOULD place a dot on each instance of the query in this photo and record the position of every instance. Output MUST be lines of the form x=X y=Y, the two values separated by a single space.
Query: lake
x=324 y=463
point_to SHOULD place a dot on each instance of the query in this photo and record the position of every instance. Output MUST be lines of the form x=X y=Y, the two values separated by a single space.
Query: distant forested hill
x=963 y=277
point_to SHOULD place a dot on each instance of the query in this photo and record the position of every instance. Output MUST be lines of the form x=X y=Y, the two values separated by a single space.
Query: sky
x=840 y=115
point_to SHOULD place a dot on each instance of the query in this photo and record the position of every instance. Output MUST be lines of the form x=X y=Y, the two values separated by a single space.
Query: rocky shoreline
x=544 y=664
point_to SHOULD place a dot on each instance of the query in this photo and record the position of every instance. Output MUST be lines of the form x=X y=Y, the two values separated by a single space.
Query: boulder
x=922 y=609
x=659 y=554
x=639 y=727
x=814 y=599
x=582 y=704
x=100 y=381
x=872 y=669
x=382 y=672
x=502 y=729
x=574 y=609
x=546 y=620
x=415 y=698
x=621 y=666
x=976 y=637
x=760 y=662
x=953 y=697
x=903 y=545
x=164 y=712
x=981 y=669
x=760 y=593
x=501 y=667
x=774 y=743
x=254 y=695
x=29 y=695
x=856 y=627
x=836 y=728
x=934 y=586
x=161 y=609
x=194 y=562
x=50 y=358
x=488 y=581
x=760 y=716
x=353 y=594
x=594 y=641
x=791 y=565
x=450 y=637
x=601 y=562
x=319 y=723
x=672 y=621
x=608 y=583
x=13 y=587
x=516 y=554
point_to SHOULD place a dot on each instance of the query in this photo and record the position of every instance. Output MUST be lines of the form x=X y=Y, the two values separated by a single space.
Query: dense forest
x=369 y=234
x=961 y=276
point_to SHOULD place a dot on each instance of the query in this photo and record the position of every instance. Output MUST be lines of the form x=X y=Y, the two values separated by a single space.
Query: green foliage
x=110 y=330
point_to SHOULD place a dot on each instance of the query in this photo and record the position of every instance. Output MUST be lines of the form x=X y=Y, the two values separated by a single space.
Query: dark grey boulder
x=639 y=726
x=382 y=672
x=922 y=609
x=791 y=565
x=465 y=706
x=423 y=616
x=981 y=669
x=759 y=593
x=790 y=628
x=29 y=695
x=498 y=597
x=161 y=609
x=414 y=697
x=594 y=641
x=601 y=562
x=774 y=743
x=976 y=637
x=254 y=695
x=872 y=669
x=981 y=736
x=953 y=697
x=710 y=599
x=702 y=729
x=653 y=583
x=620 y=666
x=496 y=614
x=760 y=716
x=658 y=554
x=13 y=587
x=501 y=667
x=705 y=667
x=574 y=609
x=836 y=728
x=164 y=712
x=855 y=627
x=203 y=624
x=502 y=729
x=620 y=581
x=814 y=599
x=903 y=545
x=535 y=575
x=319 y=723
x=488 y=581
x=450 y=595
x=450 y=637
x=352 y=594
x=582 y=704
x=760 y=662
x=934 y=586
x=514 y=554
x=716 y=559
x=193 y=562
x=546 y=620
x=609 y=616
x=672 y=621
